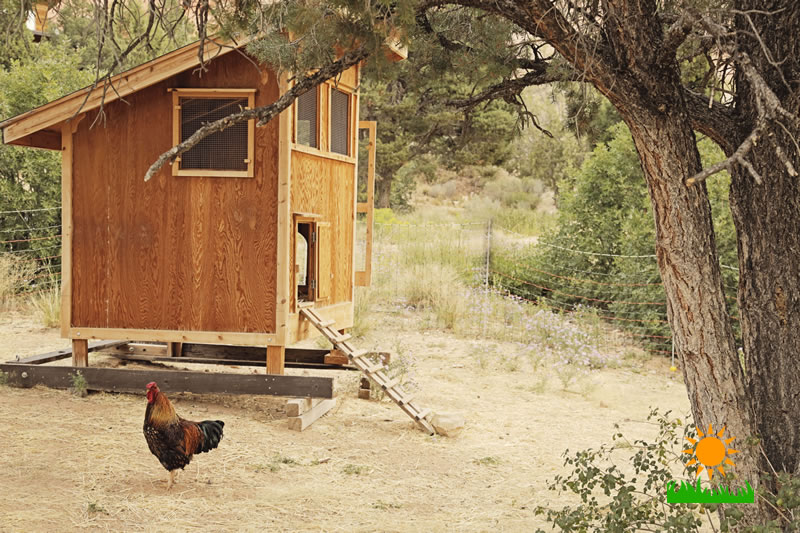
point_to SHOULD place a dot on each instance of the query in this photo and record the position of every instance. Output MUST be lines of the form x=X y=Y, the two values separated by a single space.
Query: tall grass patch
x=45 y=305
x=15 y=274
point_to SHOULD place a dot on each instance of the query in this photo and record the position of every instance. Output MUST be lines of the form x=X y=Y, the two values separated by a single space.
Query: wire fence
x=629 y=299
x=30 y=250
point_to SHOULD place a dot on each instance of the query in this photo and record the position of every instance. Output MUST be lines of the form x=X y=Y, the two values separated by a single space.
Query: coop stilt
x=376 y=373
x=80 y=352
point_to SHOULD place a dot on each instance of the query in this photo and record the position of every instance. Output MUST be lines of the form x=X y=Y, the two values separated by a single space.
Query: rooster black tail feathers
x=212 y=434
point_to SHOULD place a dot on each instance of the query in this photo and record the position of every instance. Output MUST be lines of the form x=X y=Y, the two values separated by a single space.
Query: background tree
x=411 y=102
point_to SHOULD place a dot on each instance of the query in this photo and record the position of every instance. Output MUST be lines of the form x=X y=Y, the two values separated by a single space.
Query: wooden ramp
x=376 y=372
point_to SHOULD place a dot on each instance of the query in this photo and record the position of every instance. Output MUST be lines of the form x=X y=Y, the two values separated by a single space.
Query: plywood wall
x=176 y=253
x=324 y=186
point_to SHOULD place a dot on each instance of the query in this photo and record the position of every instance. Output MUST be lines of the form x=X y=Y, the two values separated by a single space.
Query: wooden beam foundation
x=228 y=362
x=309 y=411
x=63 y=354
x=134 y=381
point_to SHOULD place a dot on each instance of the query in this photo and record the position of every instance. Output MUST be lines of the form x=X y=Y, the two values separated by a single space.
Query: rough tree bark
x=767 y=218
x=650 y=97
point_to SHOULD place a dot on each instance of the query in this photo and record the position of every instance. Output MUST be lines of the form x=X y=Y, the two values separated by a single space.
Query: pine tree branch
x=511 y=88
x=586 y=52
x=768 y=106
x=264 y=113
x=676 y=34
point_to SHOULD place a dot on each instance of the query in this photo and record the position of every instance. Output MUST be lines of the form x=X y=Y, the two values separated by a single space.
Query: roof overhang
x=41 y=127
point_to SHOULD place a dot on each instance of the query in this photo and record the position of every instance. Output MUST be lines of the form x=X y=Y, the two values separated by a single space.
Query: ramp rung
x=327 y=323
x=342 y=338
x=391 y=383
x=406 y=400
x=359 y=354
x=374 y=367
x=423 y=413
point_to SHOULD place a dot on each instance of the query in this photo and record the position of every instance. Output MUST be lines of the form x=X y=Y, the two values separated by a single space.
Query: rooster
x=172 y=439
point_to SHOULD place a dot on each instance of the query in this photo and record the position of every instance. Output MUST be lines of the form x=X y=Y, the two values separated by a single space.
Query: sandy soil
x=71 y=463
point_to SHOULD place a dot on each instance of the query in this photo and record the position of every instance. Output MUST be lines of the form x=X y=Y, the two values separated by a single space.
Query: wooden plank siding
x=325 y=186
x=175 y=253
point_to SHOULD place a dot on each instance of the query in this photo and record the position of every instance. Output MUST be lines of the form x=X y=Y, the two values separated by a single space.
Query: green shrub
x=79 y=385
x=612 y=499
x=604 y=208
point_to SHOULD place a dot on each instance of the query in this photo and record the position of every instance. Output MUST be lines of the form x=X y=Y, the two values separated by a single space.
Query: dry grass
x=75 y=463
x=15 y=272
x=45 y=305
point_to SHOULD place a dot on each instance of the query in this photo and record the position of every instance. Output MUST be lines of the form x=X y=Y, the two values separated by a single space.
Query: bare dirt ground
x=74 y=464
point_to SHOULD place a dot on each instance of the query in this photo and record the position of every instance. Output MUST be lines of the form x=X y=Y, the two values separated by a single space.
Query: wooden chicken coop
x=229 y=244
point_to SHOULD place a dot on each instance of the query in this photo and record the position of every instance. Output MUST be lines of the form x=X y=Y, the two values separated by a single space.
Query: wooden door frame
x=363 y=278
x=311 y=266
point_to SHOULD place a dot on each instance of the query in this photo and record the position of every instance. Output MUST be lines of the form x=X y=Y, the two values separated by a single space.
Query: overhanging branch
x=511 y=88
x=264 y=113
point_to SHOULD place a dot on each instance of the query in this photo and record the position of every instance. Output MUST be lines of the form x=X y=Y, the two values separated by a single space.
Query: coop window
x=226 y=153
x=307 y=126
x=340 y=122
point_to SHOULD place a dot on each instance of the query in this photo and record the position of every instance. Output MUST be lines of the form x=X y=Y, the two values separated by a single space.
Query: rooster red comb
x=151 y=385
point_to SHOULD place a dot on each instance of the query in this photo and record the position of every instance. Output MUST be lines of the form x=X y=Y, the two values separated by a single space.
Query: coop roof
x=40 y=127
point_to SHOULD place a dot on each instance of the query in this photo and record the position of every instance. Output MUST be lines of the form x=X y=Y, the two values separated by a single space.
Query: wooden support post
x=336 y=357
x=174 y=349
x=276 y=355
x=80 y=352
x=364 y=389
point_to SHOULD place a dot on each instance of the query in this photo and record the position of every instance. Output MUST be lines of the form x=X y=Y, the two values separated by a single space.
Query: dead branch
x=264 y=113
x=736 y=157
x=768 y=107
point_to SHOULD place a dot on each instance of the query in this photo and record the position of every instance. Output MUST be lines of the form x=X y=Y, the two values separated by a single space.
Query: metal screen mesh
x=222 y=150
x=340 y=121
x=307 y=118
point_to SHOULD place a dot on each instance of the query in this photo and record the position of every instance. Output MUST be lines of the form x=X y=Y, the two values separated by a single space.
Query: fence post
x=488 y=253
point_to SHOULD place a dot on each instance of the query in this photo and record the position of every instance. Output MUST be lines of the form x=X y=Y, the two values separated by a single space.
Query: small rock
x=448 y=424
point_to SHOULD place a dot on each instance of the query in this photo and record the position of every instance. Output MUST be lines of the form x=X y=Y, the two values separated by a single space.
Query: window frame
x=317 y=128
x=179 y=93
x=349 y=93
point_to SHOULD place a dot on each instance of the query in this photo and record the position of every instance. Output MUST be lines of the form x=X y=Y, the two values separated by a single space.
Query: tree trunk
x=690 y=271
x=767 y=218
x=383 y=192
x=649 y=96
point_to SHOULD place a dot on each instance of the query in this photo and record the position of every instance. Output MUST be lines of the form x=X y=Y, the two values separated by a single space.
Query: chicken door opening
x=304 y=262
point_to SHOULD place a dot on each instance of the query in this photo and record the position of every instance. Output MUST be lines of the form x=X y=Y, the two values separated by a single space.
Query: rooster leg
x=171 y=480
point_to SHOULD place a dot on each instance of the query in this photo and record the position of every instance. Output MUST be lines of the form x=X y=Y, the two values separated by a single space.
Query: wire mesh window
x=222 y=150
x=307 y=119
x=340 y=122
